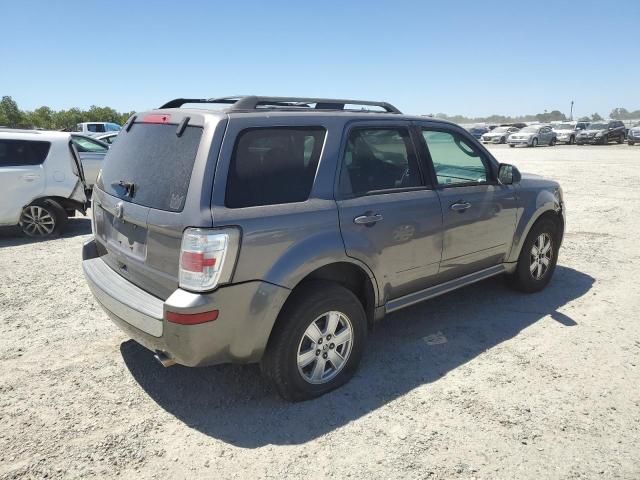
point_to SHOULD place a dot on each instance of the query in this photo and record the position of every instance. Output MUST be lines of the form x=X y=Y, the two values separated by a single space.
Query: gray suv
x=278 y=230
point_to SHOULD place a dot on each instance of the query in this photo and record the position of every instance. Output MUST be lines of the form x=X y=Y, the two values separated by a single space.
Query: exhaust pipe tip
x=164 y=360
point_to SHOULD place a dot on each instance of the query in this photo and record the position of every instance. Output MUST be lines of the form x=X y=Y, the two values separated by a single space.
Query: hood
x=563 y=131
x=533 y=180
x=588 y=130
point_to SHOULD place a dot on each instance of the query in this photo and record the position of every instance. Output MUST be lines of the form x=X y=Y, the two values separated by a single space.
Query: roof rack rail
x=255 y=102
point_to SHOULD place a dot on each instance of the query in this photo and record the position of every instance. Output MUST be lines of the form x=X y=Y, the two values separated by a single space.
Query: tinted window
x=379 y=159
x=15 y=153
x=273 y=165
x=84 y=144
x=454 y=160
x=156 y=161
x=96 y=127
x=113 y=127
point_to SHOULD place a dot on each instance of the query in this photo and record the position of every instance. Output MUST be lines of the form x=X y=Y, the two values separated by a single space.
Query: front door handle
x=367 y=219
x=460 y=206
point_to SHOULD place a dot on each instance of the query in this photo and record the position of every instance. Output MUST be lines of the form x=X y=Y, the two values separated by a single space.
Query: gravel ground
x=481 y=383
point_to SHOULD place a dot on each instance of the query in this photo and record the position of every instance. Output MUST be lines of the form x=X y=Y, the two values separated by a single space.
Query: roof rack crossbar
x=255 y=102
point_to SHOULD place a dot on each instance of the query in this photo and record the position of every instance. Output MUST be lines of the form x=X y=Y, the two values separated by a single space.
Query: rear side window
x=271 y=166
x=156 y=161
x=18 y=153
x=378 y=159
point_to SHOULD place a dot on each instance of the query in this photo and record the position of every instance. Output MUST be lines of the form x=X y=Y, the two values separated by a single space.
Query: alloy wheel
x=37 y=221
x=540 y=256
x=325 y=347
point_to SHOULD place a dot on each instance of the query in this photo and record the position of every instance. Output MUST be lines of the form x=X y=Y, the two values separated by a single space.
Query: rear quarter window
x=272 y=166
x=18 y=153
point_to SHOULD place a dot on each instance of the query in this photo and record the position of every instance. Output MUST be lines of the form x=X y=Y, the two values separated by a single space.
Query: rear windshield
x=156 y=161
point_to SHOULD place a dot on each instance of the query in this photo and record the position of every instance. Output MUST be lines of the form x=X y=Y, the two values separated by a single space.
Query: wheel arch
x=554 y=213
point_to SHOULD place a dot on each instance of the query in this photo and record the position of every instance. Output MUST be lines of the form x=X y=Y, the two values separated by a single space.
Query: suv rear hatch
x=156 y=180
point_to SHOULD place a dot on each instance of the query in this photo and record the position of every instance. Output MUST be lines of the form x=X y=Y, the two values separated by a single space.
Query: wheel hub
x=325 y=347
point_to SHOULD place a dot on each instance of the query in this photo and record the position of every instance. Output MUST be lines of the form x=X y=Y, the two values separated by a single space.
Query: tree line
x=45 y=117
x=48 y=119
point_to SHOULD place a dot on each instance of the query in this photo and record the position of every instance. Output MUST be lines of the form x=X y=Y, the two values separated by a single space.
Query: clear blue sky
x=469 y=57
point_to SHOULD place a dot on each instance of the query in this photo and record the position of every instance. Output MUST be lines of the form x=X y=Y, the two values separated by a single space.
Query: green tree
x=596 y=117
x=10 y=114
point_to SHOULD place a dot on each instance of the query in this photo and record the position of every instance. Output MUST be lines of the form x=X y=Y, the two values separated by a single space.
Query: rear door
x=390 y=216
x=21 y=176
x=479 y=214
x=92 y=154
x=156 y=181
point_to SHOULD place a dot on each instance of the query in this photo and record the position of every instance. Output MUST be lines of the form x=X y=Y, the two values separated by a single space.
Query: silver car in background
x=498 y=135
x=532 y=136
x=566 y=131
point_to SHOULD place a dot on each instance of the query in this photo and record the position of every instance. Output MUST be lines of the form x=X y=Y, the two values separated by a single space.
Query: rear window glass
x=156 y=161
x=273 y=165
x=17 y=153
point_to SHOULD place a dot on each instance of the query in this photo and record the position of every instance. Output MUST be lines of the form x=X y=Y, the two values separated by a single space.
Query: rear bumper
x=248 y=312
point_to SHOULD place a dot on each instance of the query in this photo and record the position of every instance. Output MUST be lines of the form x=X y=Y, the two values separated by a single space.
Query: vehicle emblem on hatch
x=119 y=210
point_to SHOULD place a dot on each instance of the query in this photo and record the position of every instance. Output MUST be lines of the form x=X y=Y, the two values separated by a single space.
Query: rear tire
x=299 y=360
x=511 y=145
x=536 y=265
x=552 y=143
x=43 y=219
x=631 y=143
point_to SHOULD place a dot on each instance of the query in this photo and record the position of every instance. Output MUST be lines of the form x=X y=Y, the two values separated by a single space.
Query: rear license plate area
x=125 y=237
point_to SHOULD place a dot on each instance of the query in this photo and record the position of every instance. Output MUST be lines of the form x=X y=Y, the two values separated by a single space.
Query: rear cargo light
x=156 y=118
x=203 y=255
x=191 y=318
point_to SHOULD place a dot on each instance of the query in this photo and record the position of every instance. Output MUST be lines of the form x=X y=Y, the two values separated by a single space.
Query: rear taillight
x=203 y=255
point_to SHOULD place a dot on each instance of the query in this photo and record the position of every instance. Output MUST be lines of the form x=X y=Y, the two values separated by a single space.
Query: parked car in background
x=602 y=133
x=478 y=131
x=498 y=135
x=300 y=241
x=107 y=138
x=532 y=136
x=94 y=128
x=566 y=131
x=633 y=136
x=91 y=152
x=42 y=181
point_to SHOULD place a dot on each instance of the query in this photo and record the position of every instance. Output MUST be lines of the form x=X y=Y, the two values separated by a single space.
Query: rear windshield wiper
x=129 y=188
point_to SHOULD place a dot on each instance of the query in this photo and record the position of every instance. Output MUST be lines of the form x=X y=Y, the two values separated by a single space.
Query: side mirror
x=508 y=174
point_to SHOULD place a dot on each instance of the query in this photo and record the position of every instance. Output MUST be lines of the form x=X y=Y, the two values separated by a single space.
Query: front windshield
x=564 y=126
x=529 y=129
x=597 y=126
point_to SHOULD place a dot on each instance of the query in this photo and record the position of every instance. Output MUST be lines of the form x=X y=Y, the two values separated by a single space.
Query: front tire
x=317 y=343
x=538 y=257
x=621 y=139
x=552 y=143
x=631 y=143
x=534 y=143
x=572 y=140
x=43 y=219
x=511 y=145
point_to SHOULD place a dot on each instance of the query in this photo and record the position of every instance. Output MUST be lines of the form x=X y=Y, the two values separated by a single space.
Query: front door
x=390 y=216
x=479 y=213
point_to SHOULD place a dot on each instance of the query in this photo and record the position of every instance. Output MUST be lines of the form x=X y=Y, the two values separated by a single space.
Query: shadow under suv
x=278 y=230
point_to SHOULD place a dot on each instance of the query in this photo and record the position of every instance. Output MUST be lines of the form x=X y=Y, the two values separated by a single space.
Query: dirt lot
x=482 y=383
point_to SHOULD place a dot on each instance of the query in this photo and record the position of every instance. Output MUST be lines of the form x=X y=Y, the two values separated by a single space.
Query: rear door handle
x=367 y=219
x=460 y=206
